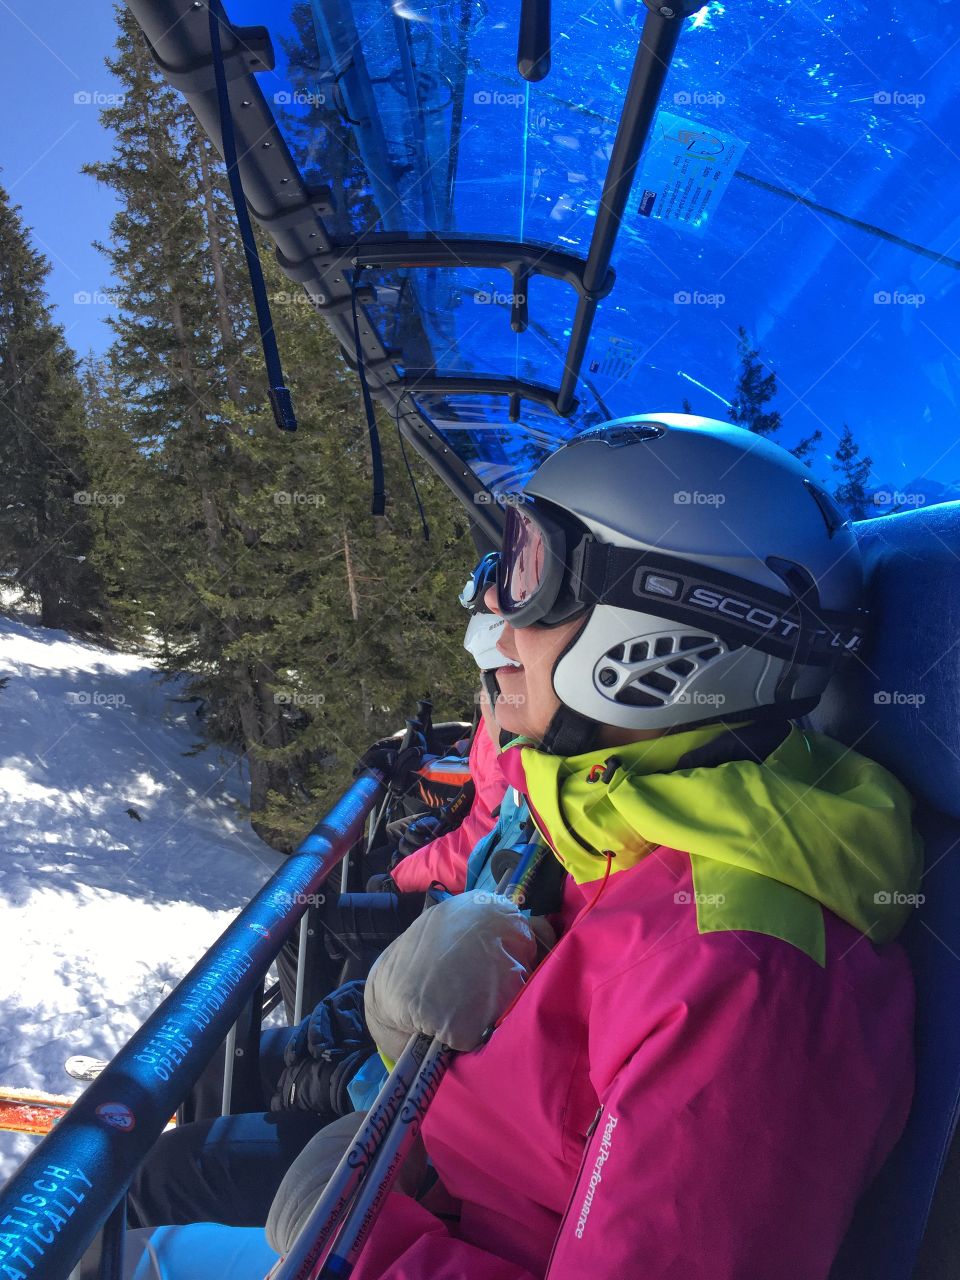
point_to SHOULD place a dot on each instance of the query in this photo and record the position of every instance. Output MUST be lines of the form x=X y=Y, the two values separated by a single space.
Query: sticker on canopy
x=686 y=168
x=618 y=359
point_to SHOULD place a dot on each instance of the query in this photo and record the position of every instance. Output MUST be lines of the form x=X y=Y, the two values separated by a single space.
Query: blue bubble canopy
x=530 y=254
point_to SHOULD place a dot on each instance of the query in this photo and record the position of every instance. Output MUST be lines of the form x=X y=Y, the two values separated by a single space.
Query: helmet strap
x=569 y=733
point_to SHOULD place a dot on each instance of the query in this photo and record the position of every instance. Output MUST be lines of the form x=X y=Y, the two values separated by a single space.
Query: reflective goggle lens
x=523 y=560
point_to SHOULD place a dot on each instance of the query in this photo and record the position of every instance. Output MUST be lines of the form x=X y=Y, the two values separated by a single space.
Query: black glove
x=382 y=882
x=398 y=759
x=324 y=1053
x=418 y=833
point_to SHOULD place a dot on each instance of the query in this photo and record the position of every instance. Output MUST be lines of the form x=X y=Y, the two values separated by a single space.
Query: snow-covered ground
x=121 y=857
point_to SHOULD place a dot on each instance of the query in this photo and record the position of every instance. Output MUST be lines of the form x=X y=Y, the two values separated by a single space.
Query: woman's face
x=527 y=702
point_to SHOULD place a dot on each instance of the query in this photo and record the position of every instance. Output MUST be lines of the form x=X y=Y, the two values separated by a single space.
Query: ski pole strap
x=379 y=504
x=280 y=399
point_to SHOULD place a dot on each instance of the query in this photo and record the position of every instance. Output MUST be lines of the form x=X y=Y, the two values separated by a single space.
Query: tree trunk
x=351 y=580
x=227 y=336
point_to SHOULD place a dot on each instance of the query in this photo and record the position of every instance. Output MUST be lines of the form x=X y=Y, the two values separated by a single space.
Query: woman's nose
x=490 y=600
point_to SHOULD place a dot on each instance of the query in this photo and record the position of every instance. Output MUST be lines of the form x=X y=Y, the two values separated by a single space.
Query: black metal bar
x=423 y=382
x=104 y=1259
x=272 y=998
x=77 y=1170
x=661 y=30
x=533 y=44
x=247 y=1092
x=382 y=251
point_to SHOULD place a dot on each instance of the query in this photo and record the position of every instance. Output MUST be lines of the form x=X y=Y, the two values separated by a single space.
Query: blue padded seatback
x=900 y=704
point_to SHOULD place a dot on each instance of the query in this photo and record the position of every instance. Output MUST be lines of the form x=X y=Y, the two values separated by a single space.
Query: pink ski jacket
x=714 y=1061
x=445 y=859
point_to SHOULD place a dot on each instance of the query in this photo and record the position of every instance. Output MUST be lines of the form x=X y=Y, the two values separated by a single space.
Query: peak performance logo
x=603 y=1155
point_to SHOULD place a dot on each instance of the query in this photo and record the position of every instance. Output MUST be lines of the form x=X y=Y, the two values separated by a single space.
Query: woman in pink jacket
x=715 y=1059
x=445 y=858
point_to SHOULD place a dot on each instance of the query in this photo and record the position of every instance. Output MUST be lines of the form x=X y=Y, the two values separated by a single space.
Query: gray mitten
x=304 y=1181
x=452 y=973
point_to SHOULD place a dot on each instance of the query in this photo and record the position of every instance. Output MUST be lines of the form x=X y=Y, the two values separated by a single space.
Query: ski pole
x=394 y=1148
x=399 y=1141
x=394 y=789
x=317 y=1233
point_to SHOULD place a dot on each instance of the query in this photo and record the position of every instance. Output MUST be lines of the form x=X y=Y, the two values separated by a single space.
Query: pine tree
x=854 y=472
x=45 y=525
x=755 y=389
x=250 y=553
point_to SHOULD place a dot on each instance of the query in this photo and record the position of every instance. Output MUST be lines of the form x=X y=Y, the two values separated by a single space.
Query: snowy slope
x=102 y=914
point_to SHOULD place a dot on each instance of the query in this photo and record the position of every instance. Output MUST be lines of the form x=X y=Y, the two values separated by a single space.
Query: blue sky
x=50 y=54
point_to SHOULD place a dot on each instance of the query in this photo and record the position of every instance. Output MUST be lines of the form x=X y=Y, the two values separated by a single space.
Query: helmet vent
x=694 y=642
x=656 y=680
x=634 y=697
x=655 y=671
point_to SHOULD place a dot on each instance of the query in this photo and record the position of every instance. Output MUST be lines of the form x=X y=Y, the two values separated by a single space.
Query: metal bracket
x=675 y=8
x=252 y=52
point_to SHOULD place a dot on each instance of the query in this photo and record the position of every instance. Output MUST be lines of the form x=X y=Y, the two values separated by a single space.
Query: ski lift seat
x=901 y=706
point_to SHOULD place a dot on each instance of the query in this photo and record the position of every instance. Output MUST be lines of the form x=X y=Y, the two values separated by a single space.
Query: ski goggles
x=552 y=569
x=538 y=562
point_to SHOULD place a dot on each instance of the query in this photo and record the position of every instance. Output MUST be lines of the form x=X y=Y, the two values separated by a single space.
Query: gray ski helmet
x=746 y=590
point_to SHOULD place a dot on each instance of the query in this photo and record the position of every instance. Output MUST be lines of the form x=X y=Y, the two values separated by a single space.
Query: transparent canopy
x=800 y=182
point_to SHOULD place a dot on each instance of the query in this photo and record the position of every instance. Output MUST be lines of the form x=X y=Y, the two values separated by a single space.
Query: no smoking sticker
x=117 y=1115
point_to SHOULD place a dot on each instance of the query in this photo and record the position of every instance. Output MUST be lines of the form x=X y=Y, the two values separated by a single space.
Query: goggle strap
x=739 y=611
